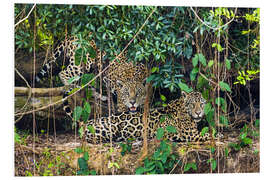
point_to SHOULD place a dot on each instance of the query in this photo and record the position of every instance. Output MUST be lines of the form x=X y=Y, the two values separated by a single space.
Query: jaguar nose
x=132 y=102
x=198 y=113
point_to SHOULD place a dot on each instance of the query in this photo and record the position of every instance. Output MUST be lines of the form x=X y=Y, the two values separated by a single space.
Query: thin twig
x=26 y=16
x=207 y=79
x=29 y=94
x=217 y=28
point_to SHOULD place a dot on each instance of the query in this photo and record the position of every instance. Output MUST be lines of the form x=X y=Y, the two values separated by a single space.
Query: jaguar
x=125 y=79
x=182 y=113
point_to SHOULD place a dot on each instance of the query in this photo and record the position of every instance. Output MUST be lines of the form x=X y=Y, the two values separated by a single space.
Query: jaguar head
x=194 y=104
x=132 y=94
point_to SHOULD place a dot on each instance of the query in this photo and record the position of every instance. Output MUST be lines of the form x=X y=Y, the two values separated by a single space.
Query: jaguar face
x=132 y=94
x=194 y=103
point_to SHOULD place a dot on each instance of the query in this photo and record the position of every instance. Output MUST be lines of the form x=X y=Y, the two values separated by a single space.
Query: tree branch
x=26 y=16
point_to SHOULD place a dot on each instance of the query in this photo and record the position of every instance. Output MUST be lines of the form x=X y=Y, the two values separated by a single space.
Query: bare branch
x=26 y=16
x=219 y=27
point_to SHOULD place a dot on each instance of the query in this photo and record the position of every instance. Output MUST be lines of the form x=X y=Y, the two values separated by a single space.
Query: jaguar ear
x=184 y=94
x=119 y=83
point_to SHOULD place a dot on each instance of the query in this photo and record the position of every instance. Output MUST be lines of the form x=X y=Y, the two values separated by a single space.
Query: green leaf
x=88 y=92
x=77 y=113
x=17 y=138
x=86 y=156
x=162 y=118
x=210 y=63
x=210 y=116
x=202 y=59
x=79 y=56
x=226 y=151
x=190 y=165
x=201 y=83
x=154 y=69
x=81 y=132
x=214 y=131
x=193 y=73
x=243 y=135
x=73 y=91
x=195 y=60
x=171 y=129
x=160 y=133
x=213 y=164
x=224 y=86
x=73 y=79
x=87 y=78
x=164 y=157
x=85 y=115
x=247 y=140
x=113 y=164
x=228 y=64
x=218 y=46
x=87 y=107
x=223 y=120
x=86 y=111
x=220 y=101
x=91 y=129
x=212 y=149
x=184 y=87
x=162 y=97
x=93 y=172
x=204 y=130
x=257 y=123
x=150 y=78
x=82 y=164
x=140 y=170
x=91 y=51
x=78 y=150
x=160 y=166
x=207 y=108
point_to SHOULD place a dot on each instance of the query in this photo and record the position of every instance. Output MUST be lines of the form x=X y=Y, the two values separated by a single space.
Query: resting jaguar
x=184 y=112
x=126 y=79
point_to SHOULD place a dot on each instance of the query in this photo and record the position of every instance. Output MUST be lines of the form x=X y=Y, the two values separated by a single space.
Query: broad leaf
x=184 y=87
x=224 y=86
x=160 y=133
x=207 y=108
x=202 y=59
x=171 y=129
x=228 y=64
x=77 y=113
x=204 y=130
x=162 y=97
x=140 y=170
x=73 y=79
x=87 y=78
x=195 y=60
x=210 y=63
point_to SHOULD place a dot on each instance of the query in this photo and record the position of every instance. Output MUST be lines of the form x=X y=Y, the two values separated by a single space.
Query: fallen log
x=39 y=92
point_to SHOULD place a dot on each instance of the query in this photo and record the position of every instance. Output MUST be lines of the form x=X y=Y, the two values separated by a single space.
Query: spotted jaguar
x=182 y=113
x=126 y=80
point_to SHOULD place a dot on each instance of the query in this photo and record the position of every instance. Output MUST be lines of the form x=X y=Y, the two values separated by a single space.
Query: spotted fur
x=182 y=113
